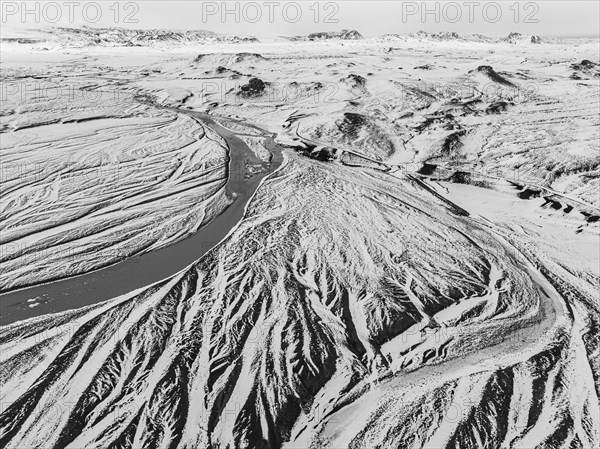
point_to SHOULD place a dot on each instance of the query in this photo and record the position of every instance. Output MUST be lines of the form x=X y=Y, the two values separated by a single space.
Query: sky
x=284 y=18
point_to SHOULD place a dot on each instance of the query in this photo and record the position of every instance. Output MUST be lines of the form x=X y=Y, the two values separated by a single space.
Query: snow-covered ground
x=422 y=271
x=90 y=176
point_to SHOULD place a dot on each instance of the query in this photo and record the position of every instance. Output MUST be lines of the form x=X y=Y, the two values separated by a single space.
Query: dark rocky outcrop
x=585 y=69
x=493 y=75
x=536 y=39
x=343 y=34
x=496 y=107
x=326 y=35
x=355 y=81
x=254 y=88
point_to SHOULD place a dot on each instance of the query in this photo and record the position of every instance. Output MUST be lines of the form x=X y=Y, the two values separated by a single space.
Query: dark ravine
x=140 y=271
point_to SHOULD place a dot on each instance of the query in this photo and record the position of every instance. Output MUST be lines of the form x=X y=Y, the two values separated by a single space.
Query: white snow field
x=422 y=270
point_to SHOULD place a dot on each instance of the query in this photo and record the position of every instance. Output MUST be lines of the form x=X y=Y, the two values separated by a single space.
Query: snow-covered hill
x=87 y=36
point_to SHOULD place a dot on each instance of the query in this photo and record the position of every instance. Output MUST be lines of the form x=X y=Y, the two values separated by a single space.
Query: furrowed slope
x=339 y=286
